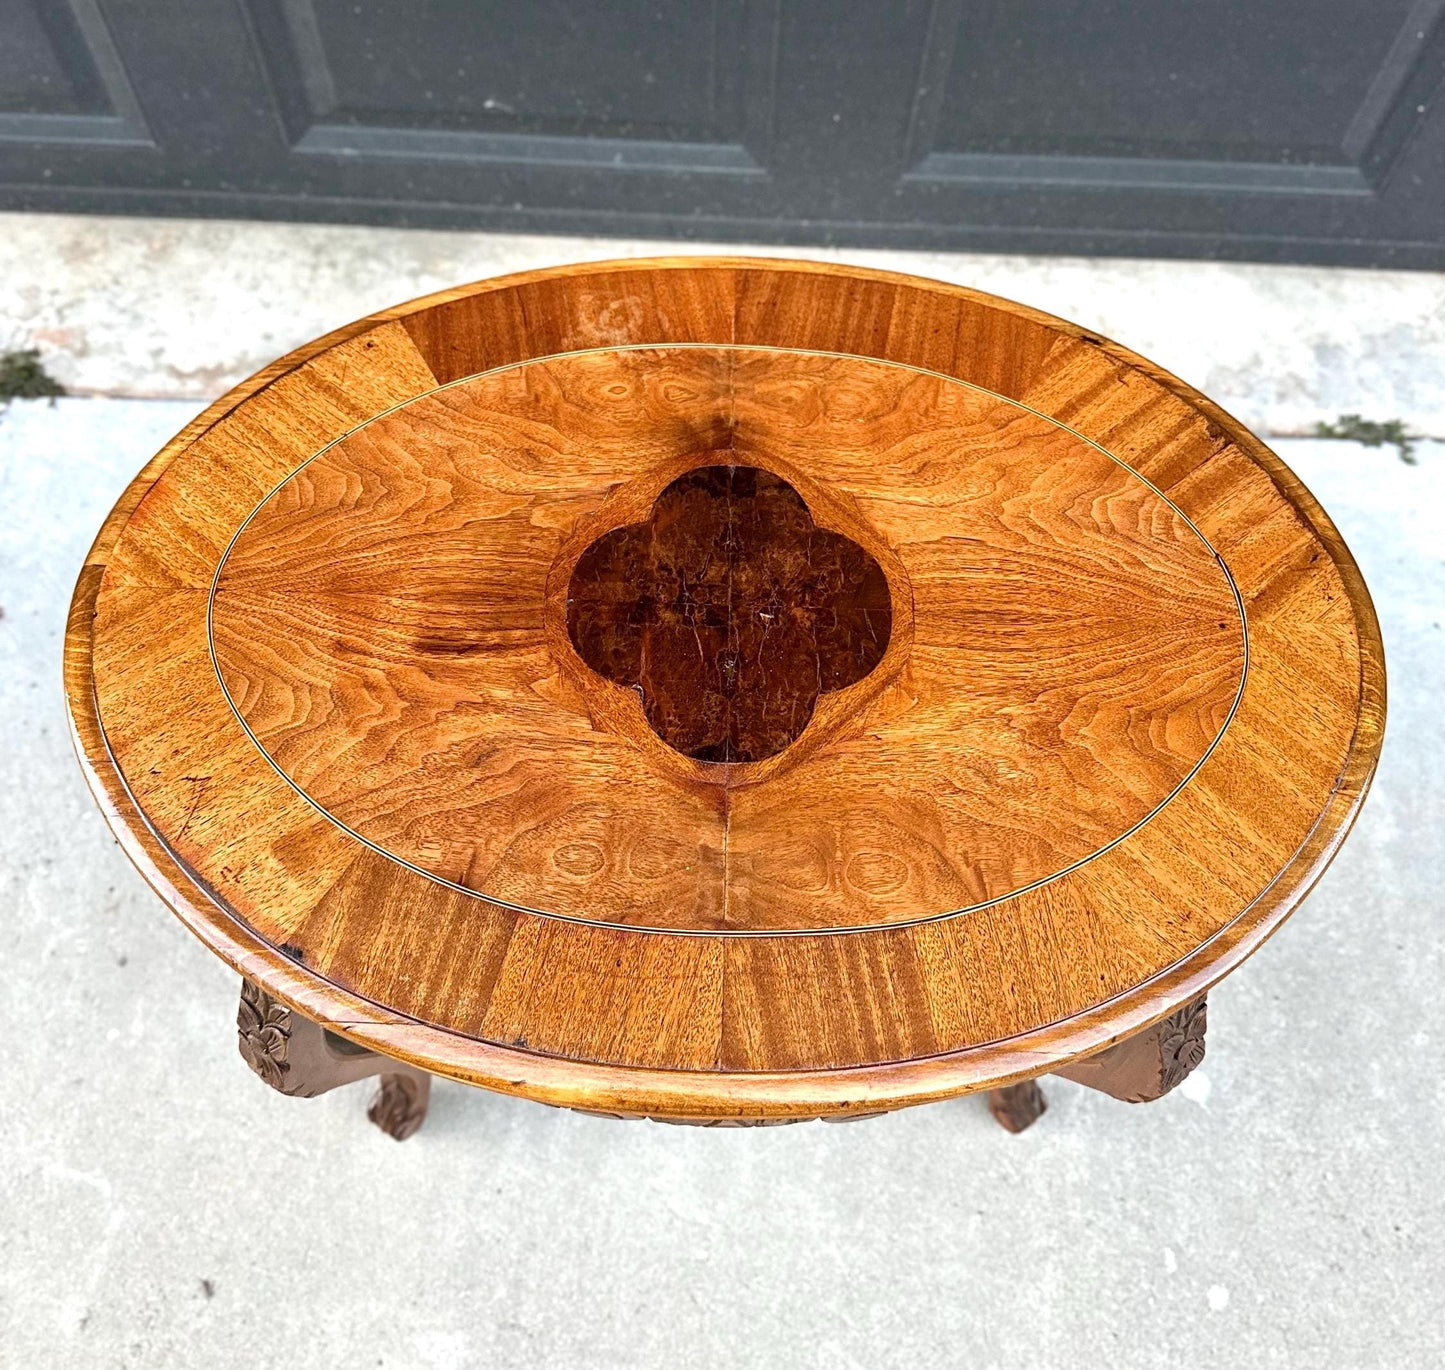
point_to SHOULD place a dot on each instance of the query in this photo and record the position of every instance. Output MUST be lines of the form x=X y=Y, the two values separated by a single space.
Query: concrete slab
x=159 y=1207
x=184 y=308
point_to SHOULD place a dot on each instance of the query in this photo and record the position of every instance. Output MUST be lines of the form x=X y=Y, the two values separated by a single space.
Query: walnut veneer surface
x=719 y=687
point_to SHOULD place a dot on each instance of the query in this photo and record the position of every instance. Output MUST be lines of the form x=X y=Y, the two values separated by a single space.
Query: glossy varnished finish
x=730 y=611
x=331 y=670
x=1085 y=652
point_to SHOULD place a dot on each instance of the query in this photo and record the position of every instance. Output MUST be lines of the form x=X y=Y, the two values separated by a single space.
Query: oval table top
x=723 y=688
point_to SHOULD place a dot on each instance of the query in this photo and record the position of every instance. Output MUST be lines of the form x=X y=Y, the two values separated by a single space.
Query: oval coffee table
x=723 y=691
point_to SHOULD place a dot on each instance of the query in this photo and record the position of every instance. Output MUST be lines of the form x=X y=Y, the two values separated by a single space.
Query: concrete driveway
x=159 y=1207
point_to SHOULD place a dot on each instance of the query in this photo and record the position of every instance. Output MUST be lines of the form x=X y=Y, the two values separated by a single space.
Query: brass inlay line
x=735 y=932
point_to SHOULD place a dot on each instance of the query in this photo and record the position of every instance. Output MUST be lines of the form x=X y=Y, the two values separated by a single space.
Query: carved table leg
x=1139 y=1069
x=1149 y=1064
x=299 y=1057
x=1017 y=1106
x=398 y=1107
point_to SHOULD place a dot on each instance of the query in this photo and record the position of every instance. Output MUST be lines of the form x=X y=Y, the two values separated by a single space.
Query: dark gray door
x=1303 y=130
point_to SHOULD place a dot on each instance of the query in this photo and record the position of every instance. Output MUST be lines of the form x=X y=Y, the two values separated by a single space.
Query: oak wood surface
x=322 y=682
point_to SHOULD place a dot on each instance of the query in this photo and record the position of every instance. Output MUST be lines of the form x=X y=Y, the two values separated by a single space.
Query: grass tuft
x=1353 y=428
x=24 y=377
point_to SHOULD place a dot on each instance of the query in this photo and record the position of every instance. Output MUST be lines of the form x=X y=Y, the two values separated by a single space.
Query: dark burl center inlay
x=730 y=611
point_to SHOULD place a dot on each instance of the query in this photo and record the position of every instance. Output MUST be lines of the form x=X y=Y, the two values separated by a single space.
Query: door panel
x=1124 y=82
x=1303 y=130
x=1107 y=92
x=61 y=80
x=631 y=83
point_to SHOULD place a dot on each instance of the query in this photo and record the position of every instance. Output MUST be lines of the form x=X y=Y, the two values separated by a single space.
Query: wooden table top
x=721 y=687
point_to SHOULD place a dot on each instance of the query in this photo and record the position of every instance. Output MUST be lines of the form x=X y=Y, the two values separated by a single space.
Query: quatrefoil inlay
x=730 y=611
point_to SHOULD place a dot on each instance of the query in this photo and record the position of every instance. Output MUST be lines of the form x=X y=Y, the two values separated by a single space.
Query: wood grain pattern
x=729 y=611
x=1056 y=737
x=382 y=627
